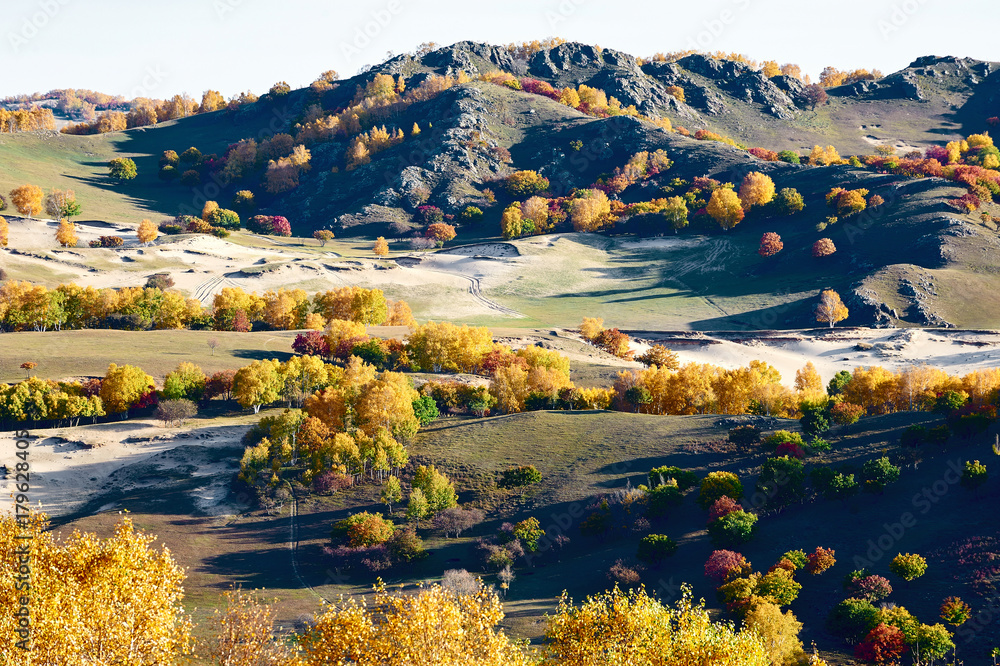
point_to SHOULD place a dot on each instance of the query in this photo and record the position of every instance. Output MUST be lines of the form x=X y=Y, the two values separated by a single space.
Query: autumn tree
x=788 y=201
x=440 y=232
x=381 y=248
x=122 y=168
x=257 y=384
x=757 y=189
x=675 y=212
x=122 y=387
x=824 y=247
x=724 y=207
x=4 y=231
x=62 y=203
x=590 y=210
x=814 y=95
x=324 y=236
x=244 y=633
x=633 y=628
x=27 y=199
x=66 y=234
x=824 y=156
x=830 y=308
x=100 y=601
x=512 y=221
x=433 y=626
x=770 y=244
x=147 y=232
x=523 y=184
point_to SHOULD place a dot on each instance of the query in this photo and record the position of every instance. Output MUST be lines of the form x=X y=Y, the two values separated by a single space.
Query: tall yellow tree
x=257 y=384
x=66 y=233
x=147 y=232
x=27 y=199
x=808 y=381
x=4 y=231
x=725 y=208
x=830 y=308
x=93 y=600
x=123 y=386
x=381 y=248
x=244 y=634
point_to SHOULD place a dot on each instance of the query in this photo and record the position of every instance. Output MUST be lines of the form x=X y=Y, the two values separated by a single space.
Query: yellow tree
x=207 y=210
x=212 y=100
x=4 y=231
x=757 y=189
x=27 y=199
x=434 y=626
x=147 y=232
x=388 y=403
x=244 y=633
x=257 y=384
x=590 y=211
x=123 y=386
x=632 y=629
x=830 y=308
x=66 y=233
x=512 y=221
x=725 y=208
x=779 y=631
x=808 y=382
x=93 y=601
x=381 y=248
x=510 y=388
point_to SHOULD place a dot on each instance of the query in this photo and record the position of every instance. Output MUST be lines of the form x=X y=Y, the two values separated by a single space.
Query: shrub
x=955 y=612
x=779 y=586
x=111 y=241
x=226 y=219
x=661 y=499
x=788 y=201
x=723 y=507
x=846 y=413
x=908 y=566
x=790 y=157
x=790 y=450
x=884 y=644
x=684 y=479
x=870 y=587
x=782 y=480
x=974 y=475
x=724 y=565
x=878 y=473
x=528 y=531
x=328 y=483
x=746 y=435
x=820 y=560
x=950 y=401
x=624 y=573
x=655 y=548
x=796 y=557
x=362 y=529
x=778 y=436
x=523 y=184
x=852 y=619
x=719 y=484
x=456 y=520
x=733 y=529
x=913 y=436
x=405 y=546
x=175 y=411
x=520 y=476
x=471 y=214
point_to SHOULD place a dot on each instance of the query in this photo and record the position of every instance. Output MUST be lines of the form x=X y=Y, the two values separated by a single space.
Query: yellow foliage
x=66 y=233
x=757 y=189
x=381 y=247
x=147 y=231
x=590 y=211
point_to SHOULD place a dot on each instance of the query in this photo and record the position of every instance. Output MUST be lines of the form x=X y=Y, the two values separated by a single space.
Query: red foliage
x=770 y=244
x=147 y=400
x=345 y=348
x=241 y=322
x=280 y=226
x=790 y=449
x=704 y=183
x=820 y=560
x=884 y=644
x=785 y=564
x=764 y=154
x=994 y=121
x=723 y=507
x=331 y=482
x=722 y=563
x=312 y=343
x=501 y=358
x=939 y=153
x=220 y=384
x=92 y=387
x=537 y=87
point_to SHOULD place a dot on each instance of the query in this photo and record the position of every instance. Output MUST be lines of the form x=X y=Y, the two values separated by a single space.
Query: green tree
x=437 y=489
x=655 y=548
x=732 y=529
x=676 y=213
x=392 y=493
x=187 y=382
x=425 y=409
x=122 y=168
x=417 y=508
x=529 y=531
x=788 y=201
x=974 y=475
x=908 y=566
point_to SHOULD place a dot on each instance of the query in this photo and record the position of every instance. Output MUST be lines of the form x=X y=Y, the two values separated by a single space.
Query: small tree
x=381 y=248
x=830 y=308
x=654 y=548
x=770 y=244
x=147 y=232
x=878 y=473
x=788 y=201
x=824 y=247
x=955 y=612
x=718 y=484
x=122 y=168
x=175 y=411
x=417 y=508
x=213 y=343
x=908 y=566
x=324 y=236
x=456 y=520
x=392 y=493
x=974 y=475
x=733 y=529
x=66 y=234
x=820 y=560
x=28 y=366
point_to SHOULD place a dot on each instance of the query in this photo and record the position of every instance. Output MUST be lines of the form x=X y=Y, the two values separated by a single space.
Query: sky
x=145 y=48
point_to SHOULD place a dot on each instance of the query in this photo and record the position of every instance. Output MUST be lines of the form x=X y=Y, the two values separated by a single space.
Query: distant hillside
x=914 y=261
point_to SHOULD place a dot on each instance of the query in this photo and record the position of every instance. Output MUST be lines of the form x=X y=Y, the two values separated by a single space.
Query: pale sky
x=157 y=49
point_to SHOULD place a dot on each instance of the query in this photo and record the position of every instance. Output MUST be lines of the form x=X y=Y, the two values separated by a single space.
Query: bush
x=782 y=480
x=660 y=475
x=869 y=587
x=424 y=407
x=974 y=475
x=796 y=557
x=110 y=241
x=779 y=586
x=820 y=560
x=788 y=201
x=655 y=548
x=456 y=520
x=719 y=484
x=519 y=476
x=226 y=219
x=915 y=435
x=777 y=437
x=405 y=546
x=747 y=435
x=878 y=473
x=328 y=483
x=661 y=499
x=523 y=184
x=733 y=529
x=949 y=401
x=362 y=529
x=175 y=411
x=852 y=619
x=724 y=565
x=723 y=507
x=908 y=566
x=624 y=573
x=789 y=156
x=884 y=644
x=790 y=450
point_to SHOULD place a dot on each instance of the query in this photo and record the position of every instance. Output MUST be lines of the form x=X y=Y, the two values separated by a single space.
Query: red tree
x=723 y=507
x=241 y=322
x=312 y=343
x=883 y=645
x=722 y=563
x=770 y=244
